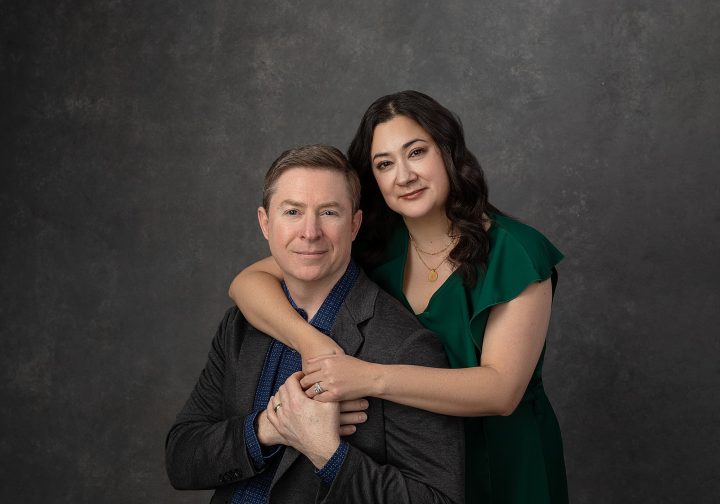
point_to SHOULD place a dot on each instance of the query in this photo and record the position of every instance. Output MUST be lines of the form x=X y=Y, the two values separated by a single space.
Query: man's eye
x=292 y=212
x=329 y=212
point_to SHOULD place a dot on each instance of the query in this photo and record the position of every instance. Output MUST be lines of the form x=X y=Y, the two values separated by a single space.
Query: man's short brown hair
x=316 y=156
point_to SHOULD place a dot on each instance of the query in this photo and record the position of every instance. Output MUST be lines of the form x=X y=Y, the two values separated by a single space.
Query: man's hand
x=267 y=434
x=311 y=427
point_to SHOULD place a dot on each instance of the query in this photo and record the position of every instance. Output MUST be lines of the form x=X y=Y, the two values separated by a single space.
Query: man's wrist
x=322 y=454
x=265 y=431
x=330 y=470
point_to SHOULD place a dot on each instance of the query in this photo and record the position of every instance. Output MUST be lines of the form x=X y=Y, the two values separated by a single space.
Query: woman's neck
x=430 y=231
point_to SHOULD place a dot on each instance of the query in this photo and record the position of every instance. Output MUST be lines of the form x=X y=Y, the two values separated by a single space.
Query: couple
x=483 y=282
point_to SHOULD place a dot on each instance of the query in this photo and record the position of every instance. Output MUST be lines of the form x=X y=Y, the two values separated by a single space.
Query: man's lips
x=413 y=194
x=310 y=253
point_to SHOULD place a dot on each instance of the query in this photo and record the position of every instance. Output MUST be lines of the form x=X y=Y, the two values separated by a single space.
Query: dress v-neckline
x=403 y=263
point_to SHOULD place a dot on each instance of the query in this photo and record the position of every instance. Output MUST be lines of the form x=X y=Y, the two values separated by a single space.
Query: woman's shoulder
x=508 y=234
x=519 y=255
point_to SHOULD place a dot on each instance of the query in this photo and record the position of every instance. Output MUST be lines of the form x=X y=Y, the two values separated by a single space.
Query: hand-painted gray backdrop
x=134 y=139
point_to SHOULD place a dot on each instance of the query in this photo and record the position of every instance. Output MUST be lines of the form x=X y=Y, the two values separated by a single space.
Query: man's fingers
x=357 y=417
x=355 y=405
x=292 y=384
x=309 y=380
x=347 y=430
x=270 y=411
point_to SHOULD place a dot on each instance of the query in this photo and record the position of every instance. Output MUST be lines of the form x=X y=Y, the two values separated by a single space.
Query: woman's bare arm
x=257 y=292
x=514 y=338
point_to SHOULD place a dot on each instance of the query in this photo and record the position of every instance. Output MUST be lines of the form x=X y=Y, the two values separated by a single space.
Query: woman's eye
x=417 y=152
x=382 y=165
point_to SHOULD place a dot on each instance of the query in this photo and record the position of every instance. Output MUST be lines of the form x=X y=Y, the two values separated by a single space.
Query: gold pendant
x=432 y=275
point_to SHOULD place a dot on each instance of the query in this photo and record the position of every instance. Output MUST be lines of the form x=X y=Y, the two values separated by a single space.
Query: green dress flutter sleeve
x=509 y=459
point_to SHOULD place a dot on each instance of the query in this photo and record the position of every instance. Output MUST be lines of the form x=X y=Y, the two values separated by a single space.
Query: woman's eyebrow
x=404 y=146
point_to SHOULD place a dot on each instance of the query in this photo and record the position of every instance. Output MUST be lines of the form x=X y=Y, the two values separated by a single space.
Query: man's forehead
x=323 y=186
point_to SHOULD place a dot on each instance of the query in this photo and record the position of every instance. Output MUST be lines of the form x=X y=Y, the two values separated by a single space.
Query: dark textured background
x=134 y=138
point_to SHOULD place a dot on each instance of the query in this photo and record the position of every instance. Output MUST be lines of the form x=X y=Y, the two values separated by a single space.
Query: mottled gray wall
x=134 y=138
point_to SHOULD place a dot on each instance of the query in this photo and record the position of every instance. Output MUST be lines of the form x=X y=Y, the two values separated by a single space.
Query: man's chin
x=307 y=273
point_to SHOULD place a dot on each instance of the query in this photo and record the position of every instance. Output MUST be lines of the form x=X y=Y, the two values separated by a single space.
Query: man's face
x=310 y=225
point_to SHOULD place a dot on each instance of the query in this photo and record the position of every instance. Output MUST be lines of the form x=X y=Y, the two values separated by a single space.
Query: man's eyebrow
x=329 y=204
x=289 y=202
x=404 y=146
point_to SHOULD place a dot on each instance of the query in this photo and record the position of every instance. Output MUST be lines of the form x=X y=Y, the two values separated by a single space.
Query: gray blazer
x=401 y=454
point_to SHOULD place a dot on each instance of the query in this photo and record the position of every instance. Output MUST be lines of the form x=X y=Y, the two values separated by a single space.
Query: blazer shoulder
x=232 y=327
x=367 y=300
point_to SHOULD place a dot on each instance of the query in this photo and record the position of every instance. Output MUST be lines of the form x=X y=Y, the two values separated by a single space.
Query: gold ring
x=275 y=408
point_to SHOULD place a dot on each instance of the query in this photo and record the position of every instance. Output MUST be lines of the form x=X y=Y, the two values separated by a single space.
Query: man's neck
x=310 y=295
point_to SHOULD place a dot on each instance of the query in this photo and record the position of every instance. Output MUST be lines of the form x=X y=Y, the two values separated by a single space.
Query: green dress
x=512 y=459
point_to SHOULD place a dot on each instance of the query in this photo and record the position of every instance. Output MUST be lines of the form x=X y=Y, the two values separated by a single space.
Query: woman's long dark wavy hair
x=468 y=196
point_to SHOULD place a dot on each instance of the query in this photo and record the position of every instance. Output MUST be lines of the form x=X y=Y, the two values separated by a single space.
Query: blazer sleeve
x=425 y=451
x=204 y=448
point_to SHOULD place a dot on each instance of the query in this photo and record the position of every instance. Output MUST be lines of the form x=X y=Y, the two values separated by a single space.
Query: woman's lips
x=412 y=195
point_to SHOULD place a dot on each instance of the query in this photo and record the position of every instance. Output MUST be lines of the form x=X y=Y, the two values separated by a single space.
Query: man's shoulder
x=233 y=327
x=392 y=332
x=232 y=317
x=368 y=300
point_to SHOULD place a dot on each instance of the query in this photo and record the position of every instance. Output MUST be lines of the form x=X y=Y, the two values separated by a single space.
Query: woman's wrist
x=312 y=343
x=378 y=380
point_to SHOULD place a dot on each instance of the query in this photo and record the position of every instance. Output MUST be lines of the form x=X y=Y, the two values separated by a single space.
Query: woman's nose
x=404 y=174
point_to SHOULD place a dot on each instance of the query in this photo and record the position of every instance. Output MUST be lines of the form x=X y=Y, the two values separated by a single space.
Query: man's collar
x=325 y=316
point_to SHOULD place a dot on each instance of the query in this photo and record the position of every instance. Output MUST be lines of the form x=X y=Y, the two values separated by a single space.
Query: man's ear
x=356 y=221
x=263 y=221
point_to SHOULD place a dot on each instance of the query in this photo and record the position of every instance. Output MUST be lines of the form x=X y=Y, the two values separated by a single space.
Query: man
x=233 y=434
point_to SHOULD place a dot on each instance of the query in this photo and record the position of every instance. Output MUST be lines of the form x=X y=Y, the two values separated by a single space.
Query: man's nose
x=311 y=228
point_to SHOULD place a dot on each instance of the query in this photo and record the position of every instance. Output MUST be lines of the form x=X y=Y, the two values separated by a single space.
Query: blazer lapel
x=359 y=306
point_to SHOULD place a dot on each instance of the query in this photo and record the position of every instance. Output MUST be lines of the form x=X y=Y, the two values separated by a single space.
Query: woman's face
x=409 y=168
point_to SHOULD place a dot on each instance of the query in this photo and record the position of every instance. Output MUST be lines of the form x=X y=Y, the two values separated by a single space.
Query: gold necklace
x=452 y=241
x=432 y=272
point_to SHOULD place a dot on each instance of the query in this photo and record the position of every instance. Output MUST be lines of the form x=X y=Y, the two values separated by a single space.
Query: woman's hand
x=341 y=378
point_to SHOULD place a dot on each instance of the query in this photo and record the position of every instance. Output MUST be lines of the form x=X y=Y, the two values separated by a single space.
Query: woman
x=480 y=280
